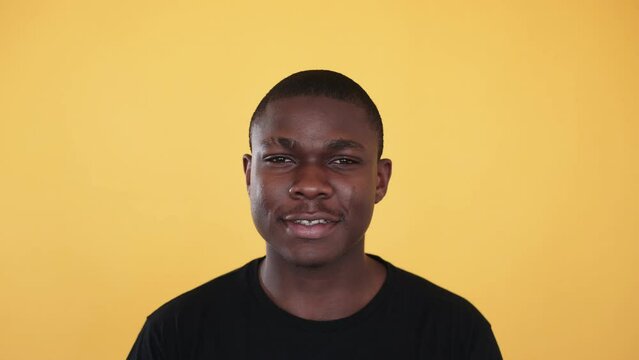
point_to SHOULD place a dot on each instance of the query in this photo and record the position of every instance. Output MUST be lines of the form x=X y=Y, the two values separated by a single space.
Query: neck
x=327 y=292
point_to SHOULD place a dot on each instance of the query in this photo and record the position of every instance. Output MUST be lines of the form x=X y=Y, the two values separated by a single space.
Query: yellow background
x=513 y=127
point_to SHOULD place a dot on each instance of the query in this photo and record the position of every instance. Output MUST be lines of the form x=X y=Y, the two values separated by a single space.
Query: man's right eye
x=278 y=159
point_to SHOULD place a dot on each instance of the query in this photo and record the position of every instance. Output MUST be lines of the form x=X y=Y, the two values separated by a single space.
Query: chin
x=309 y=259
x=312 y=254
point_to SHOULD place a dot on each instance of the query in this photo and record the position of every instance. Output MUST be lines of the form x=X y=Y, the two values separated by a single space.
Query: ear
x=384 y=170
x=246 y=162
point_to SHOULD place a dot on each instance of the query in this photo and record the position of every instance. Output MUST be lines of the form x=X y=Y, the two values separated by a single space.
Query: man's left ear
x=384 y=170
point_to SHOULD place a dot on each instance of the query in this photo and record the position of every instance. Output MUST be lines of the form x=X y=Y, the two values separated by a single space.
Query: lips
x=310 y=225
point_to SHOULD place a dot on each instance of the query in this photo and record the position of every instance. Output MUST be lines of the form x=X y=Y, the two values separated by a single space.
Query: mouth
x=311 y=222
x=309 y=226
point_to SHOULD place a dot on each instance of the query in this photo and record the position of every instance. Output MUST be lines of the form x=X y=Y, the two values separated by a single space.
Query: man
x=313 y=178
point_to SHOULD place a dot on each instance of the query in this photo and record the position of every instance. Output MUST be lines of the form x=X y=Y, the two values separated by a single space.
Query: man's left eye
x=343 y=161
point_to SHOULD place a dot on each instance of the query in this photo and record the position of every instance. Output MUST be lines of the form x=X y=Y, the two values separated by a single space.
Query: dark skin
x=313 y=181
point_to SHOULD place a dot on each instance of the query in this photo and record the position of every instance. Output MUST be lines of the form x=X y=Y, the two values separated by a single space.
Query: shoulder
x=220 y=293
x=448 y=323
x=171 y=330
x=425 y=290
x=411 y=291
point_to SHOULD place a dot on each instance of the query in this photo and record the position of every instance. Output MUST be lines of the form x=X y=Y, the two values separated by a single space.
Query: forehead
x=315 y=119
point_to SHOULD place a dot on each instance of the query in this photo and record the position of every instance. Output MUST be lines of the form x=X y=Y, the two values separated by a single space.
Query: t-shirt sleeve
x=151 y=342
x=483 y=344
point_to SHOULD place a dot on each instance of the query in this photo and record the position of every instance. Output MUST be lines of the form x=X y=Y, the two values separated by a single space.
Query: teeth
x=311 y=222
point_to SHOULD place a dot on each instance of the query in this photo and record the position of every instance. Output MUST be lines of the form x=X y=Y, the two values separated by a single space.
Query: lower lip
x=316 y=231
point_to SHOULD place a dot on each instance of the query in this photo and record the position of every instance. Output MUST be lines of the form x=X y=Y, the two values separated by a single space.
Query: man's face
x=314 y=178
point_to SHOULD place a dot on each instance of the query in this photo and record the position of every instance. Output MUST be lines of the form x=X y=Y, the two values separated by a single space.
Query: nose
x=310 y=182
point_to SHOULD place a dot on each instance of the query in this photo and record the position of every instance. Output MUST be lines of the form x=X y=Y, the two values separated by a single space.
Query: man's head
x=315 y=171
x=324 y=83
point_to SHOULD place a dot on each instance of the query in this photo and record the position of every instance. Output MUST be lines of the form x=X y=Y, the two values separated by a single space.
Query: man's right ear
x=246 y=161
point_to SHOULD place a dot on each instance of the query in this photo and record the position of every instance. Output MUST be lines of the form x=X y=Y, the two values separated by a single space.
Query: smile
x=310 y=229
x=311 y=222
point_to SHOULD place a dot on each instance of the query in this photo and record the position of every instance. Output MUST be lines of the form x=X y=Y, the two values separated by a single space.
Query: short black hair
x=326 y=83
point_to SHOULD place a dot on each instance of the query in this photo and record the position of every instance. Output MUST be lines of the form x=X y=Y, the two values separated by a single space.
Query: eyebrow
x=286 y=143
x=333 y=145
x=341 y=144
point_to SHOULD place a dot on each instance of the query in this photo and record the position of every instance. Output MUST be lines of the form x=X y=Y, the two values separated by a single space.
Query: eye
x=278 y=159
x=343 y=161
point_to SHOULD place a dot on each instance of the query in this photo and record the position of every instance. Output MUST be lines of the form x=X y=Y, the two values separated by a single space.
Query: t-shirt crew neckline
x=279 y=314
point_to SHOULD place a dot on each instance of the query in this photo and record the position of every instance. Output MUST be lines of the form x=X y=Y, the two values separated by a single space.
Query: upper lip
x=311 y=217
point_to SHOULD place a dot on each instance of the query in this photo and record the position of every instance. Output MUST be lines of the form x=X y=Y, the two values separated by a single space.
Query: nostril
x=310 y=182
x=310 y=190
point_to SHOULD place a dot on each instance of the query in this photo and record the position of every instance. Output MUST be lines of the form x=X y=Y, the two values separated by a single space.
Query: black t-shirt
x=231 y=317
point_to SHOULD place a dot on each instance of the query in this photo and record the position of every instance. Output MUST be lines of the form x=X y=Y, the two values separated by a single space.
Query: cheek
x=357 y=199
x=265 y=200
x=256 y=192
x=260 y=208
x=258 y=195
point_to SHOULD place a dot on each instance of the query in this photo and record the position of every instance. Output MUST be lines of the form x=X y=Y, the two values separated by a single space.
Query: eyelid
x=350 y=160
x=269 y=158
x=279 y=159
